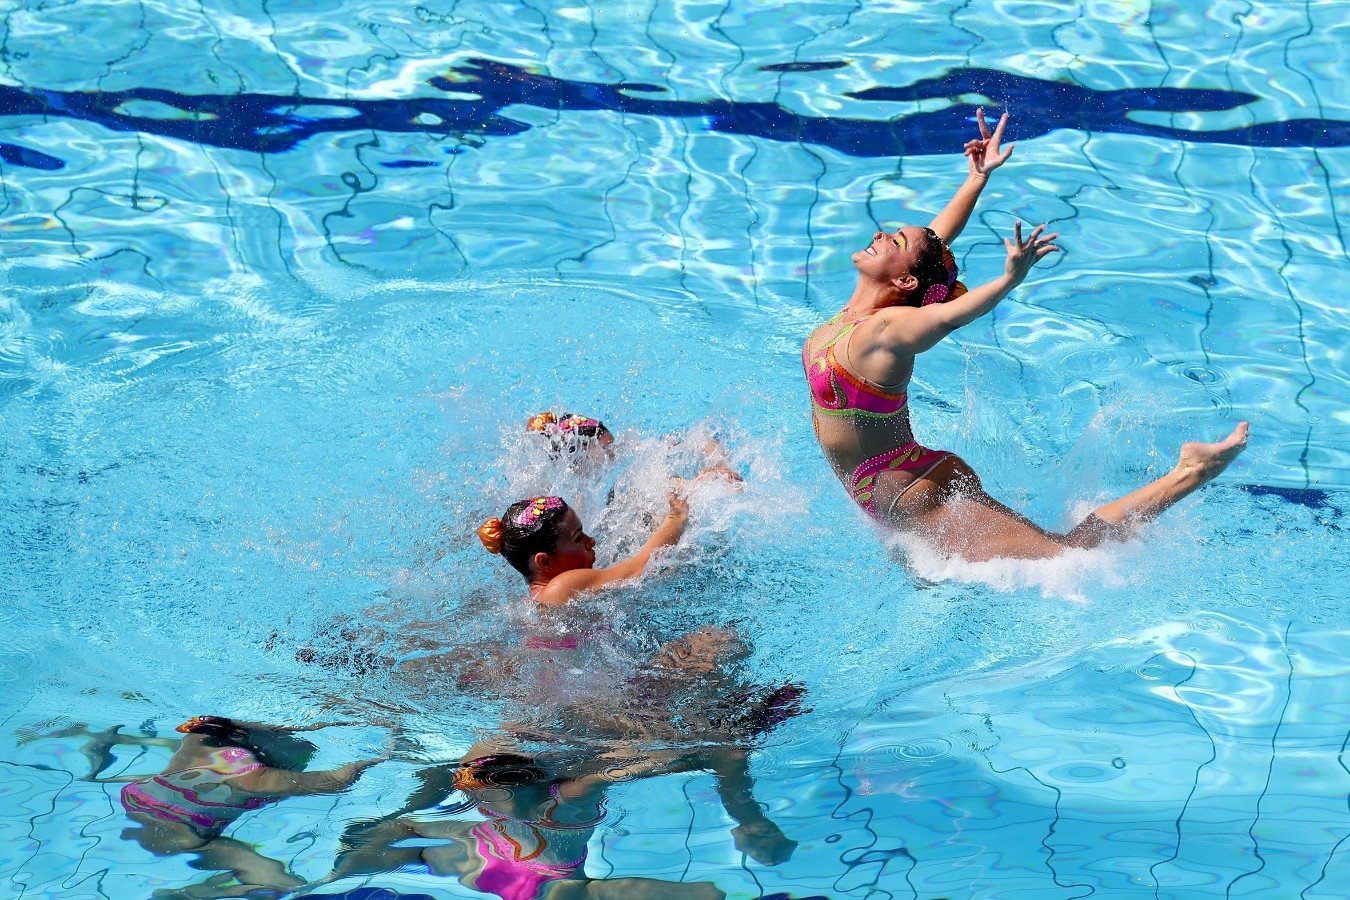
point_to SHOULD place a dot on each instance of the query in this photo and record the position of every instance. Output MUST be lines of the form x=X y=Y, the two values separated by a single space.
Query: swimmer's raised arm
x=563 y=586
x=985 y=154
x=916 y=330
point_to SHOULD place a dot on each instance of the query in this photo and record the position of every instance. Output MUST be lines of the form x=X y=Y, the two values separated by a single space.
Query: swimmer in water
x=570 y=434
x=220 y=770
x=533 y=816
x=543 y=539
x=858 y=367
x=585 y=442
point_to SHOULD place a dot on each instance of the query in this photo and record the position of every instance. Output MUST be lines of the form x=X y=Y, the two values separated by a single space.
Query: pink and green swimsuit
x=835 y=391
x=198 y=797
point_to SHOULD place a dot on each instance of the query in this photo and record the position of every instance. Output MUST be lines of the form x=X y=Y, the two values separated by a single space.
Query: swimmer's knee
x=1094 y=531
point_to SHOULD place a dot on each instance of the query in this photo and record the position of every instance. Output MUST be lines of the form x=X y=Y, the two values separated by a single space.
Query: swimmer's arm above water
x=567 y=584
x=910 y=330
x=984 y=154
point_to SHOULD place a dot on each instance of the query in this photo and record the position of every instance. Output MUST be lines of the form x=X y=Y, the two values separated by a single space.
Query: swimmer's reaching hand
x=985 y=153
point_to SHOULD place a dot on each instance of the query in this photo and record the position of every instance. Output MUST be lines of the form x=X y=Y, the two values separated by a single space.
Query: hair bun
x=490 y=533
x=541 y=421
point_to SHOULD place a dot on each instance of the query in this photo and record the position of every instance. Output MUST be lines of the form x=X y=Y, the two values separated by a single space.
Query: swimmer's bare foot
x=1204 y=462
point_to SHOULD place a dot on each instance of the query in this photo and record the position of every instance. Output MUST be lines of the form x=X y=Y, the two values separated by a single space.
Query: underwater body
x=283 y=283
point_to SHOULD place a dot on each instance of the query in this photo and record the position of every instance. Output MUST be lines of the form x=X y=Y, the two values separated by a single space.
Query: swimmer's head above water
x=915 y=262
x=539 y=535
x=569 y=434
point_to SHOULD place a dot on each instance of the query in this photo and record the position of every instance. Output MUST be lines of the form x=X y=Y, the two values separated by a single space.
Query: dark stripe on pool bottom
x=370 y=893
x=32 y=159
x=1313 y=498
x=483 y=88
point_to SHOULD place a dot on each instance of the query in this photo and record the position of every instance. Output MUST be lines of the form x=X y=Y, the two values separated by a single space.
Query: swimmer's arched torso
x=863 y=427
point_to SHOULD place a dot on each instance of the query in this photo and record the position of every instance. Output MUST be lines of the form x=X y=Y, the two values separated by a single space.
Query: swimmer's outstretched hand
x=986 y=153
x=679 y=505
x=1022 y=255
x=721 y=472
x=764 y=842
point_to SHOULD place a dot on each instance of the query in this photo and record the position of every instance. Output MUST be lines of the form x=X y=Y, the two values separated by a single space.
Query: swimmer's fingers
x=1045 y=244
x=984 y=128
x=990 y=153
x=1037 y=236
x=1040 y=243
x=677 y=499
x=995 y=140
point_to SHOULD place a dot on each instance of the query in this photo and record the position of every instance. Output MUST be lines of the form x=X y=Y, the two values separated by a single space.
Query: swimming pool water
x=282 y=281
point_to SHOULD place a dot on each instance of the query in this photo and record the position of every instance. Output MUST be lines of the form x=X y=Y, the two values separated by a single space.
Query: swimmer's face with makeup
x=892 y=254
x=575 y=549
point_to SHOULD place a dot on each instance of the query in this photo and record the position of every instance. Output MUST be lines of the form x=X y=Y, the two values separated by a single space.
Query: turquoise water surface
x=282 y=282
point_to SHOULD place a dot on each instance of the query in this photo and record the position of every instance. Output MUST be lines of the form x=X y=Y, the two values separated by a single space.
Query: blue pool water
x=283 y=281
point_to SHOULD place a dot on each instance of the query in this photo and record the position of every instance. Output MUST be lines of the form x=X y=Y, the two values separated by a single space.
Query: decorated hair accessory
x=530 y=515
x=940 y=293
x=490 y=533
x=576 y=422
x=197 y=722
x=213 y=726
x=541 y=422
x=936 y=293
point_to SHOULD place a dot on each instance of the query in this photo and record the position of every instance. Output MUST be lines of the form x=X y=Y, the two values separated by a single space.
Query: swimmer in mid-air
x=858 y=367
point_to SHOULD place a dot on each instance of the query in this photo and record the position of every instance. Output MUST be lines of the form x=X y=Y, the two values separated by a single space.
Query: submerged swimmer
x=535 y=815
x=220 y=770
x=858 y=367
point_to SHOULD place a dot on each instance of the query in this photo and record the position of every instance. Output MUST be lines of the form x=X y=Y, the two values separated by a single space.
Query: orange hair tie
x=490 y=533
x=541 y=421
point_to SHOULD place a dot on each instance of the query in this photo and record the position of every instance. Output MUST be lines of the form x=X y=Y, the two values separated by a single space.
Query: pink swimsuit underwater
x=837 y=392
x=513 y=873
x=198 y=797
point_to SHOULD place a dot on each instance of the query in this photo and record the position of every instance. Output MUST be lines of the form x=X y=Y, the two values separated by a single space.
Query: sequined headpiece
x=941 y=293
x=575 y=422
x=529 y=516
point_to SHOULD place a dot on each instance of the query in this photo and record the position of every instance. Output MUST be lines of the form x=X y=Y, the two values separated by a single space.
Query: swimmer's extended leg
x=951 y=510
x=253 y=873
x=1199 y=463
